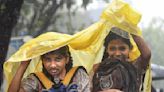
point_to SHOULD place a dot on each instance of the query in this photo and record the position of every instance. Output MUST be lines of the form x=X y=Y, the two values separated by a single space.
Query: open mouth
x=54 y=72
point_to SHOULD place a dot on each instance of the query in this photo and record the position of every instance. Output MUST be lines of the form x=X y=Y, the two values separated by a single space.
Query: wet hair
x=113 y=36
x=64 y=51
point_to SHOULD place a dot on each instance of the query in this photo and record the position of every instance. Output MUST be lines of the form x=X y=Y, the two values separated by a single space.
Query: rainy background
x=34 y=17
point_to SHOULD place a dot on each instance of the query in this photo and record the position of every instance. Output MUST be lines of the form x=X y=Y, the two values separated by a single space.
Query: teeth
x=53 y=71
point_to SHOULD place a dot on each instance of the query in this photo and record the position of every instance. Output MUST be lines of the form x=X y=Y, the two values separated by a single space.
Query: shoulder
x=81 y=79
x=30 y=78
x=80 y=73
x=30 y=83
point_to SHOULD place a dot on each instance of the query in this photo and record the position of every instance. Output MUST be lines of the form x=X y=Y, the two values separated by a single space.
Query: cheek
x=63 y=64
x=110 y=53
x=46 y=65
x=126 y=53
x=65 y=61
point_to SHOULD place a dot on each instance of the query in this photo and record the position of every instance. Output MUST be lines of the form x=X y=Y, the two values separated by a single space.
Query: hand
x=16 y=81
x=25 y=63
x=111 y=90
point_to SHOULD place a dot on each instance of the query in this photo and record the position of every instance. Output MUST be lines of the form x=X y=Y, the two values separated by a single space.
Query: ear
x=106 y=49
x=67 y=59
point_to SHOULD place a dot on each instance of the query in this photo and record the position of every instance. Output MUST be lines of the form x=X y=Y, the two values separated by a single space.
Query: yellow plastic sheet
x=86 y=46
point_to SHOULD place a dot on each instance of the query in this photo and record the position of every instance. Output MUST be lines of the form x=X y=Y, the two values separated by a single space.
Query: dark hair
x=64 y=51
x=115 y=74
x=113 y=36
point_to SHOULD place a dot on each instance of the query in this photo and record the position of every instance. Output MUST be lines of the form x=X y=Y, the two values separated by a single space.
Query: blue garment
x=63 y=88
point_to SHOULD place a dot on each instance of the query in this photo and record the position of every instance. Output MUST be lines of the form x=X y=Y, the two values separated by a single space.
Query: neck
x=63 y=74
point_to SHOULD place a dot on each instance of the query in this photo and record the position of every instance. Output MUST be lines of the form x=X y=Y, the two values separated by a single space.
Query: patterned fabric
x=81 y=78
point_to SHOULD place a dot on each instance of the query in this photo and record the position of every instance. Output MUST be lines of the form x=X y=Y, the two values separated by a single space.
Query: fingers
x=25 y=63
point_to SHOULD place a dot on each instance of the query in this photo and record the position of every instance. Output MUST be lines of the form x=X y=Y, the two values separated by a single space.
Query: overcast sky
x=148 y=9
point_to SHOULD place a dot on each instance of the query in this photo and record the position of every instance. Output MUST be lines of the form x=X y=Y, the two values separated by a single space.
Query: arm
x=95 y=67
x=16 y=81
x=144 y=50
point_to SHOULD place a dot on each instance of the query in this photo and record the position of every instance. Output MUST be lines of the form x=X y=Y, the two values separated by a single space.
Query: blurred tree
x=39 y=16
x=154 y=34
x=9 y=13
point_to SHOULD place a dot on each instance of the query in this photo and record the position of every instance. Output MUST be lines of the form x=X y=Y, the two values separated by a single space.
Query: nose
x=53 y=64
x=117 y=53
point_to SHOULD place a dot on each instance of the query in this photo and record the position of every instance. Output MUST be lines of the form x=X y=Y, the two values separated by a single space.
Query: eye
x=112 y=48
x=59 y=58
x=122 y=48
x=46 y=59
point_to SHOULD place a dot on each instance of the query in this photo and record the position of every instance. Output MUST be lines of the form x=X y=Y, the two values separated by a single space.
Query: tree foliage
x=39 y=16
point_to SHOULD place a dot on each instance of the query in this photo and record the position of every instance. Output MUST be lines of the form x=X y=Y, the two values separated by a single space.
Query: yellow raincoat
x=86 y=46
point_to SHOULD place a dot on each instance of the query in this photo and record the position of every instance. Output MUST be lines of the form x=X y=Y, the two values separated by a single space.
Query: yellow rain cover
x=86 y=46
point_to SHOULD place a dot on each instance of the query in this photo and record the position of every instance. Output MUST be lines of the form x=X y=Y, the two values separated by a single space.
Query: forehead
x=117 y=42
x=52 y=55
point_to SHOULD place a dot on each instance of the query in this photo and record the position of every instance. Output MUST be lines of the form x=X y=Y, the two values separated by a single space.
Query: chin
x=54 y=75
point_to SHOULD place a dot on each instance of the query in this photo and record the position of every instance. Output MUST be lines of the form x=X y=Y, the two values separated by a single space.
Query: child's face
x=118 y=49
x=54 y=64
